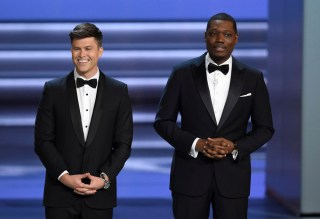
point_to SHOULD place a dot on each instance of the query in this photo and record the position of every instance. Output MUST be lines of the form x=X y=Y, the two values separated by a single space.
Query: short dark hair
x=223 y=17
x=85 y=30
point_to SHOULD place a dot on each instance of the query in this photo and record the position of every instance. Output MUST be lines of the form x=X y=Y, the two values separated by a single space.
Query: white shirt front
x=86 y=99
x=218 y=84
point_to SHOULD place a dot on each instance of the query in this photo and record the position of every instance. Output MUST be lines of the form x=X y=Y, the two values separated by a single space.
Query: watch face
x=106 y=185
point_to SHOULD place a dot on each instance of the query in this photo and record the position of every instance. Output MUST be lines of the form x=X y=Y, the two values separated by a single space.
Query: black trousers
x=198 y=207
x=79 y=211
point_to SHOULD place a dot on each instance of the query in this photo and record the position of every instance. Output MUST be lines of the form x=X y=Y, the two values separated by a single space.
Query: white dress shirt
x=86 y=99
x=218 y=84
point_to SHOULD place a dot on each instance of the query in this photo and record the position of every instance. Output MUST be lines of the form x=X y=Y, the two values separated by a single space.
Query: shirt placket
x=86 y=110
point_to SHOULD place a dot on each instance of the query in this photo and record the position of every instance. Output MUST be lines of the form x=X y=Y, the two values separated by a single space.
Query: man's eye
x=228 y=35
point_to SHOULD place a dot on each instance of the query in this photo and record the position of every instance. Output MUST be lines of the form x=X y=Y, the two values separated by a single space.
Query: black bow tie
x=92 y=83
x=223 y=68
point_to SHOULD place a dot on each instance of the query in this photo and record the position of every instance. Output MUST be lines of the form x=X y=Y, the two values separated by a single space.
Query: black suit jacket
x=59 y=139
x=187 y=93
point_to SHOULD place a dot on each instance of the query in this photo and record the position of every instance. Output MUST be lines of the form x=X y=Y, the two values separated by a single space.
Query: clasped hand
x=76 y=182
x=215 y=148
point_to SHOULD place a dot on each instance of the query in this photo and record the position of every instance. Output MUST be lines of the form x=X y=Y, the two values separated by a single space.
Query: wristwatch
x=234 y=152
x=106 y=182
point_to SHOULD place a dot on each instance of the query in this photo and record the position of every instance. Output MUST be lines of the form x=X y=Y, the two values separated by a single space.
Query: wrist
x=106 y=181
x=235 y=146
x=62 y=174
x=200 y=144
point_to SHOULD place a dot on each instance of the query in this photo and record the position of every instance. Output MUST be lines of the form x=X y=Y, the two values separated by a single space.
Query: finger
x=220 y=156
x=210 y=156
x=83 y=185
x=206 y=154
x=221 y=153
x=91 y=192
x=215 y=149
x=218 y=153
x=220 y=148
x=81 y=176
x=215 y=139
x=90 y=176
x=219 y=139
x=79 y=193
x=87 y=174
x=210 y=152
x=204 y=148
x=84 y=188
x=215 y=145
x=81 y=190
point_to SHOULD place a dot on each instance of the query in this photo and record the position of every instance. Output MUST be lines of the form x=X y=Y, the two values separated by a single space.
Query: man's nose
x=82 y=52
x=220 y=37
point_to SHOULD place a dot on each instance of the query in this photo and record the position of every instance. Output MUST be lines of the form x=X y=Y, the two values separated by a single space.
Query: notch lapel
x=74 y=108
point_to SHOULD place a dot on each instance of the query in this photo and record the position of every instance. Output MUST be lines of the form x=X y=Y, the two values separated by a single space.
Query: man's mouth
x=220 y=48
x=83 y=60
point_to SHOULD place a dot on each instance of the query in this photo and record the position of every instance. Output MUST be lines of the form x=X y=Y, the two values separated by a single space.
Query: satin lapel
x=74 y=108
x=97 y=111
x=199 y=75
x=236 y=84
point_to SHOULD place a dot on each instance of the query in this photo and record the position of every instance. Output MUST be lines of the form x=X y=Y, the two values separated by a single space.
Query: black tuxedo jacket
x=60 y=144
x=187 y=93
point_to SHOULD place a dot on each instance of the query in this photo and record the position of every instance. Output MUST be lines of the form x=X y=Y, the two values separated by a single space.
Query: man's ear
x=100 y=51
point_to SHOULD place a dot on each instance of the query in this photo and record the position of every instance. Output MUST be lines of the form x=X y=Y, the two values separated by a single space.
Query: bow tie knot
x=92 y=83
x=223 y=68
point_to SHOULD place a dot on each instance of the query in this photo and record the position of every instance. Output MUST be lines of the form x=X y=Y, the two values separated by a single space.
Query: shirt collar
x=209 y=60
x=77 y=75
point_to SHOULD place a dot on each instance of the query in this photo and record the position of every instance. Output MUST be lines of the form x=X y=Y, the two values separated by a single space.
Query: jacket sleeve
x=44 y=135
x=261 y=119
x=166 y=117
x=122 y=137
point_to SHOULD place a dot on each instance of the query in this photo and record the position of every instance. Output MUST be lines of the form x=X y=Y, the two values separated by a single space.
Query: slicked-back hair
x=85 y=30
x=223 y=17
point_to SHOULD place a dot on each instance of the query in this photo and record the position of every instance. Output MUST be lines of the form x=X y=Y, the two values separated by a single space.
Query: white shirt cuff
x=234 y=154
x=64 y=172
x=193 y=153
